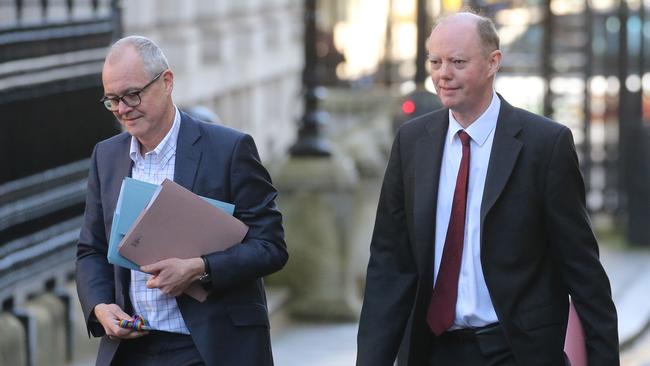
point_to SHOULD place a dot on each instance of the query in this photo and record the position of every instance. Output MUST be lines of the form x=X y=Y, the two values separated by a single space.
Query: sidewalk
x=335 y=344
x=316 y=345
x=629 y=274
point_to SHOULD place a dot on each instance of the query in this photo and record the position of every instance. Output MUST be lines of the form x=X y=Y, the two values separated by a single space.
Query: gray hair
x=487 y=32
x=152 y=56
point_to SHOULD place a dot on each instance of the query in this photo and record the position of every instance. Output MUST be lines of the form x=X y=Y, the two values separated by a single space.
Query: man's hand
x=172 y=276
x=109 y=315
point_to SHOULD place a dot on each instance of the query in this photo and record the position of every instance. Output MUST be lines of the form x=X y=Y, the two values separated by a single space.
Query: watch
x=206 y=278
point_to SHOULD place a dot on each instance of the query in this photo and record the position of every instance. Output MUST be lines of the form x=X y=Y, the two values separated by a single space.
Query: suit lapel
x=188 y=155
x=123 y=163
x=505 y=150
x=122 y=168
x=118 y=167
x=428 y=155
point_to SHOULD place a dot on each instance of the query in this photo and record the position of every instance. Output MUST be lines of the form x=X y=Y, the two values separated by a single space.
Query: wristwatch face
x=205 y=281
x=205 y=278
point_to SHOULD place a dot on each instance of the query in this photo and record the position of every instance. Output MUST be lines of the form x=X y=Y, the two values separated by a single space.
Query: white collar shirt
x=473 y=307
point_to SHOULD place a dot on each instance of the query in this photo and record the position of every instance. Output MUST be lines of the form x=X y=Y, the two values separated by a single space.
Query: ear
x=494 y=61
x=168 y=78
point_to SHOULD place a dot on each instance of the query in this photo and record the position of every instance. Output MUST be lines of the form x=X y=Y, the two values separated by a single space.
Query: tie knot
x=464 y=138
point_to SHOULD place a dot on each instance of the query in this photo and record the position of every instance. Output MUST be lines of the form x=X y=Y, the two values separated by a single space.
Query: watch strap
x=206 y=277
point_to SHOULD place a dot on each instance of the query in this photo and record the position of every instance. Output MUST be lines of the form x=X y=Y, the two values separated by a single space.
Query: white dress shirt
x=161 y=311
x=473 y=306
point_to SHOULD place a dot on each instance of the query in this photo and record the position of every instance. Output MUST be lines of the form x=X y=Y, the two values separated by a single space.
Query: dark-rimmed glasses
x=131 y=99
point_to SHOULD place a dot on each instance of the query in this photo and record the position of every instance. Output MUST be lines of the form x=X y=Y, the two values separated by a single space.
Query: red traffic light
x=408 y=107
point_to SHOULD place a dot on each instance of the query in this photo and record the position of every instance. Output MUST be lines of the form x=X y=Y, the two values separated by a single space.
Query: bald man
x=482 y=232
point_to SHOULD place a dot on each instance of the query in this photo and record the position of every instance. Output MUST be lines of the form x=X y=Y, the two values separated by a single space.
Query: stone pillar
x=364 y=132
x=316 y=199
x=46 y=325
x=84 y=346
x=13 y=341
x=366 y=147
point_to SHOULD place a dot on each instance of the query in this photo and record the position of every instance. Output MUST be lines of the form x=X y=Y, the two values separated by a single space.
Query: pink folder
x=574 y=344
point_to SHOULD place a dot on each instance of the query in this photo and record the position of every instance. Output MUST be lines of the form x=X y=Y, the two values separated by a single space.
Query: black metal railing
x=39 y=226
x=42 y=42
x=51 y=54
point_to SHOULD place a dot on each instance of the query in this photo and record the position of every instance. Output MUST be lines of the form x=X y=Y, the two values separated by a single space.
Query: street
x=639 y=353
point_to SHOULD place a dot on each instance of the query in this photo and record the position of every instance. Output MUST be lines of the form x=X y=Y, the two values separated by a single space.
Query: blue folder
x=134 y=197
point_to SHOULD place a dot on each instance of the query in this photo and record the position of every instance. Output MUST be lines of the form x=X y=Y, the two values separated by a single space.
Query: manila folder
x=179 y=224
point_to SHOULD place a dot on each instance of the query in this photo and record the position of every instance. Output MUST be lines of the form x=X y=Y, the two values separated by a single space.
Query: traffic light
x=415 y=104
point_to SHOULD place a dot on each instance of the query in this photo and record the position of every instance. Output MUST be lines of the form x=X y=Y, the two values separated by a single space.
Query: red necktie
x=440 y=315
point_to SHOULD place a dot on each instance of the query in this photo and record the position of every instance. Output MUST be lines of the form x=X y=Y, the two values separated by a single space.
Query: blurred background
x=321 y=86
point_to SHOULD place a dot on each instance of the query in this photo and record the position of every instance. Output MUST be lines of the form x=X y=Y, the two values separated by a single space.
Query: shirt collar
x=167 y=144
x=480 y=129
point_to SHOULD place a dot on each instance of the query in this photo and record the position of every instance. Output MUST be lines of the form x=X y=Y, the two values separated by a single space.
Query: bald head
x=484 y=27
x=463 y=64
x=149 y=54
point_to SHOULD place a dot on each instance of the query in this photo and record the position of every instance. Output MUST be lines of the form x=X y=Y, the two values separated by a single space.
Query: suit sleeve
x=571 y=236
x=94 y=275
x=391 y=277
x=263 y=250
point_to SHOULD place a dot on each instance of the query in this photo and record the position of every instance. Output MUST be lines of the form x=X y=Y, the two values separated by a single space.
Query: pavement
x=638 y=354
x=316 y=345
x=629 y=273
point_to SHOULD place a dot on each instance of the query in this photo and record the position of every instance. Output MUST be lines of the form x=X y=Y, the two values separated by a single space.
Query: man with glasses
x=131 y=99
x=231 y=327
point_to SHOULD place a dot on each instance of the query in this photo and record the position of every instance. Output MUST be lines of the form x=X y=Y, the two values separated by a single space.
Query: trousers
x=158 y=349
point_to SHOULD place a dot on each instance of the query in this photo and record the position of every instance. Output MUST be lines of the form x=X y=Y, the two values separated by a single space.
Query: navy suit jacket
x=537 y=246
x=231 y=327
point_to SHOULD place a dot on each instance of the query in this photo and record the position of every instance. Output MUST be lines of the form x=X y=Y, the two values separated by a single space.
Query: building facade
x=241 y=59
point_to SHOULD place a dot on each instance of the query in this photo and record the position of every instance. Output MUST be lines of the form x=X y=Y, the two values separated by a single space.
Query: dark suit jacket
x=231 y=327
x=537 y=246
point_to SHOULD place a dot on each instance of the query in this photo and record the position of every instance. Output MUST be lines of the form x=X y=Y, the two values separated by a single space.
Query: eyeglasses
x=131 y=99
